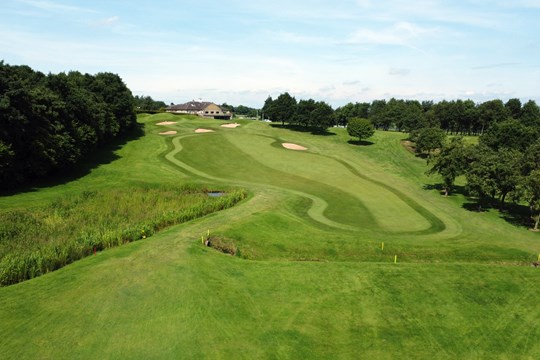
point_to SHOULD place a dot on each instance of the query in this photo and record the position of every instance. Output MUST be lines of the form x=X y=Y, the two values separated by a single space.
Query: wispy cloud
x=291 y=37
x=399 y=34
x=110 y=21
x=55 y=6
x=495 y=66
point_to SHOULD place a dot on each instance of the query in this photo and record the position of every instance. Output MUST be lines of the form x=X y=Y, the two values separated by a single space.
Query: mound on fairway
x=291 y=146
x=230 y=125
x=203 y=130
x=167 y=123
x=172 y=132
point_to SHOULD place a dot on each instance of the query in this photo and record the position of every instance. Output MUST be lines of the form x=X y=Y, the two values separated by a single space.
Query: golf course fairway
x=343 y=251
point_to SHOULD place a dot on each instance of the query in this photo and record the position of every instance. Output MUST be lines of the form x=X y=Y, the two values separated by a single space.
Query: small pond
x=215 y=193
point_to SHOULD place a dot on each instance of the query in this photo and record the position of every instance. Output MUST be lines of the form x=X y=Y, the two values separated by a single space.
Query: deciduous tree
x=360 y=128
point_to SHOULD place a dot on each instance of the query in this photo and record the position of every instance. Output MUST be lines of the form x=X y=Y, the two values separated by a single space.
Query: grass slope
x=317 y=285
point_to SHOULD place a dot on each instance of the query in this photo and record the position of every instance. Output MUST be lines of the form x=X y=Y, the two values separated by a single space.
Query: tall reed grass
x=39 y=240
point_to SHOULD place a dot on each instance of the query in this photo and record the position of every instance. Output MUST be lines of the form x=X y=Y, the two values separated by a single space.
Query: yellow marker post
x=202 y=239
x=208 y=232
x=538 y=257
x=395 y=259
x=382 y=246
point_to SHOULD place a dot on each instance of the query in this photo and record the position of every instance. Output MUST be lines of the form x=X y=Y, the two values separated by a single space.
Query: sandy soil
x=172 y=132
x=203 y=130
x=167 y=123
x=230 y=125
x=293 y=146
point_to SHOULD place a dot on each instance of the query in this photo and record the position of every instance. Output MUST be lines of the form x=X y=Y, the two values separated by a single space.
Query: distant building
x=201 y=108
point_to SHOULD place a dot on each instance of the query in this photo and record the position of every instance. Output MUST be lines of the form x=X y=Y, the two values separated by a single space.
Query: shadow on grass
x=304 y=129
x=103 y=154
x=360 y=142
x=516 y=214
x=456 y=189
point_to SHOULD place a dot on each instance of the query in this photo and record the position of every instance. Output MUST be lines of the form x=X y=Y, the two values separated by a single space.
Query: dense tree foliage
x=504 y=165
x=450 y=163
x=531 y=186
x=147 y=104
x=50 y=122
x=350 y=111
x=458 y=117
x=241 y=110
x=429 y=139
x=360 y=128
x=316 y=115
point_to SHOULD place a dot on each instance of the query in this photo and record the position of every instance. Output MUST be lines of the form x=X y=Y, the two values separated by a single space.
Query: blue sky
x=241 y=51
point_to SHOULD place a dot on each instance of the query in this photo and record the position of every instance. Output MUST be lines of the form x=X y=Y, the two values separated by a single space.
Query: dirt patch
x=293 y=146
x=225 y=245
x=167 y=123
x=230 y=125
x=172 y=132
x=409 y=146
x=203 y=130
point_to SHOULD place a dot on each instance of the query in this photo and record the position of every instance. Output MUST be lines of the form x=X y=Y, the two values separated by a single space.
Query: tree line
x=145 y=104
x=463 y=117
x=50 y=122
x=505 y=164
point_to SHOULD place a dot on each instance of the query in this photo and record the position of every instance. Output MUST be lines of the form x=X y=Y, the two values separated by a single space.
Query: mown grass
x=309 y=278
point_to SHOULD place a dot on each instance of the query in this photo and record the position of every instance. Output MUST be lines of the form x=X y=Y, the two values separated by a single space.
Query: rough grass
x=39 y=240
x=309 y=279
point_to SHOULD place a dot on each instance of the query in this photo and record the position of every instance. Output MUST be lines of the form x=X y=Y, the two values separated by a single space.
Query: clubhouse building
x=201 y=108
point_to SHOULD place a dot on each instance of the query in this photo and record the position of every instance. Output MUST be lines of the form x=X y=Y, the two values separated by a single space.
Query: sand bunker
x=230 y=125
x=293 y=146
x=167 y=123
x=172 y=132
x=203 y=130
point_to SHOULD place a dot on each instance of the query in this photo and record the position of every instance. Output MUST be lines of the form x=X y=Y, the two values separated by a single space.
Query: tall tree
x=514 y=108
x=350 y=110
x=450 y=163
x=493 y=173
x=268 y=109
x=428 y=140
x=322 y=117
x=532 y=190
x=530 y=114
x=491 y=112
x=284 y=108
x=304 y=109
x=377 y=115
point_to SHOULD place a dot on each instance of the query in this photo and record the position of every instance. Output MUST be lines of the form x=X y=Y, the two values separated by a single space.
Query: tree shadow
x=304 y=129
x=475 y=206
x=101 y=155
x=360 y=142
x=456 y=189
x=516 y=214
